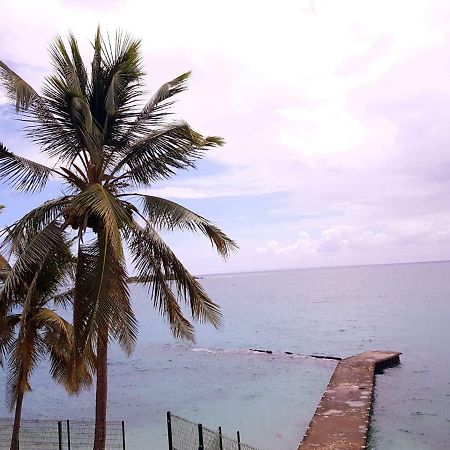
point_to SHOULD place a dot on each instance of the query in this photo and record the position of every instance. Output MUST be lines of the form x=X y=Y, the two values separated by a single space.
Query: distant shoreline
x=147 y=279
x=293 y=269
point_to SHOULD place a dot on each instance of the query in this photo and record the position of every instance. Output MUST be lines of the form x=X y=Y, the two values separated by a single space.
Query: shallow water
x=270 y=398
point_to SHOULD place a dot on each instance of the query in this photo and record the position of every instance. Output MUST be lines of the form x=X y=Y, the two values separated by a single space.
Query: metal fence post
x=239 y=440
x=123 y=434
x=220 y=439
x=68 y=435
x=169 y=430
x=200 y=437
x=60 y=445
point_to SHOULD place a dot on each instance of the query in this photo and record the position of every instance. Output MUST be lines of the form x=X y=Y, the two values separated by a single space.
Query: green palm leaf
x=78 y=64
x=27 y=351
x=105 y=143
x=154 y=260
x=65 y=298
x=115 y=85
x=21 y=173
x=35 y=221
x=18 y=90
x=37 y=331
x=38 y=249
x=8 y=324
x=57 y=335
x=159 y=153
x=169 y=215
x=155 y=111
x=52 y=134
x=103 y=211
x=101 y=297
x=70 y=67
x=24 y=358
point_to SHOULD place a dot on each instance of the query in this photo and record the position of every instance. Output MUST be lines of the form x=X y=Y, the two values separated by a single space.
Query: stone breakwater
x=341 y=420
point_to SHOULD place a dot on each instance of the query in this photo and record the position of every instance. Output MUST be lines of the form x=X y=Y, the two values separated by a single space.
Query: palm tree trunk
x=16 y=426
x=101 y=391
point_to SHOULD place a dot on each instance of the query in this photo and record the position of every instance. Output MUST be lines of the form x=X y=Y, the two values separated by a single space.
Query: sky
x=336 y=116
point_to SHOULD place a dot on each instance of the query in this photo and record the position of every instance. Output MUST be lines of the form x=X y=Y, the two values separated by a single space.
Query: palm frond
x=77 y=181
x=155 y=111
x=101 y=297
x=34 y=221
x=39 y=248
x=166 y=302
x=50 y=320
x=96 y=66
x=43 y=128
x=102 y=209
x=3 y=262
x=21 y=173
x=56 y=275
x=78 y=64
x=64 y=66
x=38 y=332
x=17 y=89
x=41 y=331
x=27 y=351
x=115 y=86
x=8 y=325
x=94 y=124
x=124 y=73
x=69 y=129
x=169 y=215
x=116 y=89
x=60 y=354
x=64 y=299
x=153 y=258
x=57 y=334
x=48 y=118
x=160 y=153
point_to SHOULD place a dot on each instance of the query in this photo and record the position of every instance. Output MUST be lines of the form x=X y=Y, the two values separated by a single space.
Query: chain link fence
x=34 y=434
x=79 y=435
x=60 y=435
x=186 y=435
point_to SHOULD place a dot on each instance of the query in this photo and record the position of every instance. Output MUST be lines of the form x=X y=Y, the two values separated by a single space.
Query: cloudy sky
x=336 y=116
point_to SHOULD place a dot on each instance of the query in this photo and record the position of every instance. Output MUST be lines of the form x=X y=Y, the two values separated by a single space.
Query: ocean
x=270 y=398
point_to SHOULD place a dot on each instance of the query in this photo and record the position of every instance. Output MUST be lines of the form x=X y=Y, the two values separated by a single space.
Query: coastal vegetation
x=106 y=145
x=30 y=328
x=4 y=266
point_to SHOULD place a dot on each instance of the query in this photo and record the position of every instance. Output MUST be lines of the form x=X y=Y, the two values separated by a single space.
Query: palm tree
x=4 y=266
x=29 y=329
x=108 y=144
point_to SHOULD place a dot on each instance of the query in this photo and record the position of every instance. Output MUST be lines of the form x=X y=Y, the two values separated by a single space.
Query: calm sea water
x=271 y=398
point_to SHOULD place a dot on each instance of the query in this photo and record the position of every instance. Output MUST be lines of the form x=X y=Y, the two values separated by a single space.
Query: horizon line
x=343 y=266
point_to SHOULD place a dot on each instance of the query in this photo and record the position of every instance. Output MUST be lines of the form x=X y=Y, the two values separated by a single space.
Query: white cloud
x=339 y=107
x=303 y=244
x=342 y=240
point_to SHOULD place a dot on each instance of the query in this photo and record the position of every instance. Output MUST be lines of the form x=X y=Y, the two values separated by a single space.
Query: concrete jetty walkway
x=341 y=420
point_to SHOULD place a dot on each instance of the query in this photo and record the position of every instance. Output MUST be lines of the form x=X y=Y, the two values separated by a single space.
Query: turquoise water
x=270 y=398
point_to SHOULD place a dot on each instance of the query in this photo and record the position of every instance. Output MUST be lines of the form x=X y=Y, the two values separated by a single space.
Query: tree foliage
x=108 y=144
x=30 y=327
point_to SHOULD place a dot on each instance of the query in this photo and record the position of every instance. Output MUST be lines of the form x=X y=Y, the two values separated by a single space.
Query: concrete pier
x=341 y=420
